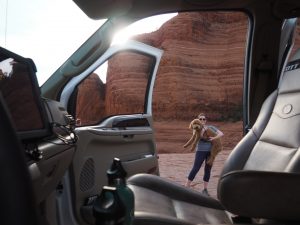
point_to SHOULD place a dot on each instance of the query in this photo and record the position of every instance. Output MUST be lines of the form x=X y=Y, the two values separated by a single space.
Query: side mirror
x=21 y=92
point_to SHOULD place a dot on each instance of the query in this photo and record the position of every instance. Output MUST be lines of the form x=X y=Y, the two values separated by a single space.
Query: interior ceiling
x=100 y=9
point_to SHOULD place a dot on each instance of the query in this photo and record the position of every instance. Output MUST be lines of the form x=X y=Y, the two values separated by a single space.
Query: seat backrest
x=261 y=177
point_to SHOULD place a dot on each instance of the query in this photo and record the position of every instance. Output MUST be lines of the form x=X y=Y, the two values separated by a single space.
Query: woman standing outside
x=202 y=154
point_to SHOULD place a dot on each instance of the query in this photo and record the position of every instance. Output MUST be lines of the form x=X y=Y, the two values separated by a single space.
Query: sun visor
x=102 y=9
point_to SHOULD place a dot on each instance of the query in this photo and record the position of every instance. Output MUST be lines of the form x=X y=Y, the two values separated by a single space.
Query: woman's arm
x=219 y=134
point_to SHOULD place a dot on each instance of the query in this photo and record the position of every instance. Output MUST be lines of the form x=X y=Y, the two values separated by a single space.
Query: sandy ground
x=175 y=162
x=177 y=166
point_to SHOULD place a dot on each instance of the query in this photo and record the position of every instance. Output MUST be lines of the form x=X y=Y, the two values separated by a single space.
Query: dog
x=196 y=126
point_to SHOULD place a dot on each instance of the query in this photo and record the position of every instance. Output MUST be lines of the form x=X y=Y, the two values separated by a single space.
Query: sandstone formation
x=201 y=71
x=202 y=66
x=296 y=40
x=87 y=112
x=126 y=83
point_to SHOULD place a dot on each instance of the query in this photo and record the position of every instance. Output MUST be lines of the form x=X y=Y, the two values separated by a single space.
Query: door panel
x=103 y=144
x=97 y=146
x=121 y=124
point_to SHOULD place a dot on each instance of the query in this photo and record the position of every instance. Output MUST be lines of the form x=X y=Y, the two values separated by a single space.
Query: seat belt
x=263 y=73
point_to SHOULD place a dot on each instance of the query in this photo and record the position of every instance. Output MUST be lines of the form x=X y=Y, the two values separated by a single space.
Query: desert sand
x=175 y=162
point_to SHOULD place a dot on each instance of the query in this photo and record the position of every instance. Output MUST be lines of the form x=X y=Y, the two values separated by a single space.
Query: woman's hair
x=201 y=114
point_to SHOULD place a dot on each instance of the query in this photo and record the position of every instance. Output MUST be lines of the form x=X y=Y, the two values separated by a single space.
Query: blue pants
x=200 y=156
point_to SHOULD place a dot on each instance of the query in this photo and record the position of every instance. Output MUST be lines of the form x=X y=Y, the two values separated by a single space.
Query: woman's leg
x=207 y=172
x=199 y=158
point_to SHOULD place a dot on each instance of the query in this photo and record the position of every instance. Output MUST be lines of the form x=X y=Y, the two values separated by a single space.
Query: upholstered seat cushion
x=159 y=201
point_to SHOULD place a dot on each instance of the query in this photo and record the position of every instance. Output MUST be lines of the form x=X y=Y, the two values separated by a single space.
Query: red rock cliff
x=201 y=68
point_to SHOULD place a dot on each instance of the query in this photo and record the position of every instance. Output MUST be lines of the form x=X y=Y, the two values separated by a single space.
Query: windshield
x=50 y=31
x=46 y=31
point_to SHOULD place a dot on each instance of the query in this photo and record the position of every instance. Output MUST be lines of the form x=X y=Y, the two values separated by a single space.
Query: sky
x=48 y=33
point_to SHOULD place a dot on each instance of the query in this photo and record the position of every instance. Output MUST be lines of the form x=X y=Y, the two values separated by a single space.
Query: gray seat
x=159 y=201
x=260 y=178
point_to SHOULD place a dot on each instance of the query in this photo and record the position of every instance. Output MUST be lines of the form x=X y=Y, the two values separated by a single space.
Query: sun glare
x=147 y=25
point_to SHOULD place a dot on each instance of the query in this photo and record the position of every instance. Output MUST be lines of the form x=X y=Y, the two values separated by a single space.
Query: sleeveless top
x=203 y=144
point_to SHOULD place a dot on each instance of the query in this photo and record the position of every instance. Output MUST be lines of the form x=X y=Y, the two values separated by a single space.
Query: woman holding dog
x=202 y=154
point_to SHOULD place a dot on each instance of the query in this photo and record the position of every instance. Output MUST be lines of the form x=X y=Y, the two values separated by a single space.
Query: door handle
x=128 y=136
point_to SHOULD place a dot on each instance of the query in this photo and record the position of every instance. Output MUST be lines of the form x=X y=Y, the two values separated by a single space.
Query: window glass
x=115 y=88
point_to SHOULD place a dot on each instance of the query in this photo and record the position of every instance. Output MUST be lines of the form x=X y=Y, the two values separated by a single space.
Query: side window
x=108 y=90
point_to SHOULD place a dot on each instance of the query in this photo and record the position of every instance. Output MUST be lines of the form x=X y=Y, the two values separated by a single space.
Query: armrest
x=261 y=194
